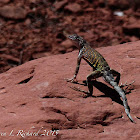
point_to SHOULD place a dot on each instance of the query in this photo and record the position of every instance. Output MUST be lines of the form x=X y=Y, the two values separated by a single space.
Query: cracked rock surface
x=34 y=97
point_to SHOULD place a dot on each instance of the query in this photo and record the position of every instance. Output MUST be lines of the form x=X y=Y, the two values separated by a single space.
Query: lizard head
x=75 y=37
x=78 y=40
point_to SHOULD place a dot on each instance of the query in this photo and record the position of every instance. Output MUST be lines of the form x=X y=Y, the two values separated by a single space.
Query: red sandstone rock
x=13 y=12
x=4 y=1
x=67 y=44
x=35 y=96
x=132 y=28
x=60 y=4
x=74 y=7
x=123 y=4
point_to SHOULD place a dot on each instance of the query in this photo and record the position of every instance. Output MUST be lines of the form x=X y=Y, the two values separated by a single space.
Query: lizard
x=100 y=69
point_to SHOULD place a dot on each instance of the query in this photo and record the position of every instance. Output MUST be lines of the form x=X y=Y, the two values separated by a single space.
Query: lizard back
x=94 y=58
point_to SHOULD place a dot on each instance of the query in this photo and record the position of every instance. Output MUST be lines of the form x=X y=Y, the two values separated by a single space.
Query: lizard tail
x=122 y=94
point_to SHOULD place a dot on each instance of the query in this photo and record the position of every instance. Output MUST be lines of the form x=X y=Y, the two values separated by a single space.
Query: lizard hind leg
x=127 y=87
x=117 y=74
x=95 y=74
x=123 y=86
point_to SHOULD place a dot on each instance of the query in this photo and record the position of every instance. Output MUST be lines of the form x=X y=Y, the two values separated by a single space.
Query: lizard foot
x=85 y=82
x=72 y=80
x=127 y=87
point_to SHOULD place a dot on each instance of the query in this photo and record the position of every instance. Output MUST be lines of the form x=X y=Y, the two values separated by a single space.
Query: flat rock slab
x=36 y=99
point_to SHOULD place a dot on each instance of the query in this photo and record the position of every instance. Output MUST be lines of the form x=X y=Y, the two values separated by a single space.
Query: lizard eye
x=76 y=37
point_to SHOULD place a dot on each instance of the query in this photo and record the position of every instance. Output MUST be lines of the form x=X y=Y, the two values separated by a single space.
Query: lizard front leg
x=73 y=79
x=117 y=74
